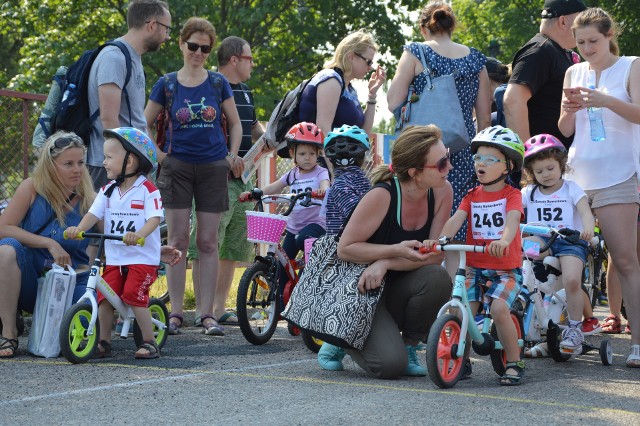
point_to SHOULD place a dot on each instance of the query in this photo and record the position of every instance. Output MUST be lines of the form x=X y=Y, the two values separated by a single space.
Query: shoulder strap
x=127 y=61
x=341 y=74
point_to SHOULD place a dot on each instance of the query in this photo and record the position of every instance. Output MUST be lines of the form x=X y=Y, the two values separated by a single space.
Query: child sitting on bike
x=560 y=203
x=345 y=147
x=305 y=145
x=129 y=205
x=493 y=210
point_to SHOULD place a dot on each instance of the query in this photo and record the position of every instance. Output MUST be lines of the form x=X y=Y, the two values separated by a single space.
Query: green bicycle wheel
x=76 y=345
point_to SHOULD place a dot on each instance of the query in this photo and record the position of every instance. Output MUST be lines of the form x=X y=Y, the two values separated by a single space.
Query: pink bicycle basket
x=264 y=227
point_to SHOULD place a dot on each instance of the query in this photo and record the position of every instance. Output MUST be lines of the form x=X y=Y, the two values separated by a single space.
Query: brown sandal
x=612 y=325
x=152 y=351
x=8 y=344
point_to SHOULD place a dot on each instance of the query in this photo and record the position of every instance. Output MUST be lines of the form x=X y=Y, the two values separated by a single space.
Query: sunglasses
x=205 y=48
x=442 y=165
x=368 y=61
x=64 y=142
x=488 y=160
x=247 y=57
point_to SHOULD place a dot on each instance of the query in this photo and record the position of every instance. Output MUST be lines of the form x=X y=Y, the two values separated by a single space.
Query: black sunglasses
x=205 y=48
x=368 y=61
x=62 y=143
x=442 y=165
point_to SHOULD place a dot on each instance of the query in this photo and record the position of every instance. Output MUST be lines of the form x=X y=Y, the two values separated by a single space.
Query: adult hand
x=571 y=106
x=377 y=79
x=60 y=257
x=160 y=156
x=411 y=250
x=372 y=277
x=170 y=255
x=594 y=98
x=237 y=165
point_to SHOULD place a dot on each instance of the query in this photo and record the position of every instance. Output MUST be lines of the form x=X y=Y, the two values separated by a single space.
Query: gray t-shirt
x=110 y=67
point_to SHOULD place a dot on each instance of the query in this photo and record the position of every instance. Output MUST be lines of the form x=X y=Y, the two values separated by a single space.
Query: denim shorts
x=561 y=247
x=484 y=284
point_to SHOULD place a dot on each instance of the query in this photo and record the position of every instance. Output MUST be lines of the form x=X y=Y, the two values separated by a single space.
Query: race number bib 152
x=488 y=219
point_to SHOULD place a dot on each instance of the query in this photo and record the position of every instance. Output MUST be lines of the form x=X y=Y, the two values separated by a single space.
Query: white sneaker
x=572 y=339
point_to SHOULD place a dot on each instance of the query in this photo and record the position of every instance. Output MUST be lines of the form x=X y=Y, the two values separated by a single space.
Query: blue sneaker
x=414 y=368
x=330 y=357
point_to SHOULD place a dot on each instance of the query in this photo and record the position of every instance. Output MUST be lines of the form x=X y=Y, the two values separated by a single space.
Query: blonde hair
x=602 y=21
x=407 y=152
x=358 y=42
x=48 y=184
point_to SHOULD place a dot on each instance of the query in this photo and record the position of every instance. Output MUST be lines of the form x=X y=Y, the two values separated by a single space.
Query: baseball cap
x=555 y=8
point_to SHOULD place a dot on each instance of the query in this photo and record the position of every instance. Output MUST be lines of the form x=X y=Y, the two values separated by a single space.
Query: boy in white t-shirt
x=130 y=205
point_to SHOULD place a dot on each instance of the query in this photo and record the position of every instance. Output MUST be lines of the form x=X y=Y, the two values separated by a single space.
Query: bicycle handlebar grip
x=424 y=250
x=79 y=237
x=140 y=241
x=244 y=197
x=314 y=194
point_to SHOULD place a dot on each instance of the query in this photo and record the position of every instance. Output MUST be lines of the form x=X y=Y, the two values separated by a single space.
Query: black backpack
x=286 y=114
x=72 y=111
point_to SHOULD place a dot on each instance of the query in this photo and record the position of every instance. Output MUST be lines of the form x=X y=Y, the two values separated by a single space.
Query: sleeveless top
x=601 y=164
x=39 y=214
x=391 y=230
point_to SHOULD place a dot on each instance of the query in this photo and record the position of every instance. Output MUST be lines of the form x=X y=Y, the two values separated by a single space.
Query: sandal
x=8 y=344
x=152 y=351
x=612 y=325
x=213 y=330
x=537 y=351
x=174 y=328
x=513 y=379
x=103 y=350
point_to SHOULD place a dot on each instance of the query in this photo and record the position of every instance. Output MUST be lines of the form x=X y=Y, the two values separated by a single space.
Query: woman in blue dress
x=437 y=23
x=57 y=195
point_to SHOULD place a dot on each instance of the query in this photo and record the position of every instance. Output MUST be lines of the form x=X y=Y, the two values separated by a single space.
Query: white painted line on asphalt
x=144 y=382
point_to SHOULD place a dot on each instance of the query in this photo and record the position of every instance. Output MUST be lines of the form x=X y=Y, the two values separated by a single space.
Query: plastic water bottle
x=595 y=114
x=71 y=89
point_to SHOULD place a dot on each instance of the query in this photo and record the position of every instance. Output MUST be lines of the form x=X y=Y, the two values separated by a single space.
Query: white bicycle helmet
x=503 y=139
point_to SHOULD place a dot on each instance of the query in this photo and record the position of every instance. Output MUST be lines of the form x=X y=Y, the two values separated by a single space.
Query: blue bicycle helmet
x=346 y=144
x=138 y=143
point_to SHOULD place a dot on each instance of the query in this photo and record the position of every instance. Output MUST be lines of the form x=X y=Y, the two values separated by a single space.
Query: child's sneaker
x=591 y=326
x=572 y=339
x=414 y=368
x=330 y=357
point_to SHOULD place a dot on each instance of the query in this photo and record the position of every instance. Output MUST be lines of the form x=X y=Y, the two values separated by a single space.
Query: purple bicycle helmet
x=541 y=142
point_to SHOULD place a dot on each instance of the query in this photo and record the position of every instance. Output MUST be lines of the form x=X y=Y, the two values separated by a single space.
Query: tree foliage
x=290 y=39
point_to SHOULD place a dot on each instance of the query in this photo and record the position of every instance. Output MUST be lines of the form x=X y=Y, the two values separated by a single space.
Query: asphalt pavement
x=225 y=380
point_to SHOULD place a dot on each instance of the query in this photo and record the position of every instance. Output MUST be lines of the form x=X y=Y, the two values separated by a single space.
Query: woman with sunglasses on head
x=330 y=101
x=409 y=203
x=195 y=162
x=57 y=195
x=437 y=22
x=607 y=165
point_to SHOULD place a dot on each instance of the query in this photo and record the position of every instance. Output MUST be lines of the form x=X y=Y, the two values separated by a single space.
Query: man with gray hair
x=149 y=25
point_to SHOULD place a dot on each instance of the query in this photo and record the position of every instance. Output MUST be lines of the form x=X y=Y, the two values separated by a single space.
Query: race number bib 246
x=488 y=219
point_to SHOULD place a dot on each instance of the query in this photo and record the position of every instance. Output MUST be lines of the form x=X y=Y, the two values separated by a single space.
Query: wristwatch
x=444 y=240
x=231 y=155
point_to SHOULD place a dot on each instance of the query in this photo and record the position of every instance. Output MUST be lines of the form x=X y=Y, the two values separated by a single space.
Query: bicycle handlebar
x=257 y=195
x=569 y=235
x=82 y=235
x=454 y=247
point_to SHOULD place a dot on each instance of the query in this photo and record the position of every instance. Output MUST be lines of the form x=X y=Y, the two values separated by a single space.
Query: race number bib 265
x=488 y=219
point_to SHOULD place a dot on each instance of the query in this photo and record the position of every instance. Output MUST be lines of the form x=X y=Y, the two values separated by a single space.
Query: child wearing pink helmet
x=560 y=203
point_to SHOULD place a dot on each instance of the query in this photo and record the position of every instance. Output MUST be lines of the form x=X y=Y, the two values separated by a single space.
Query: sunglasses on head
x=368 y=61
x=442 y=165
x=62 y=143
x=488 y=160
x=205 y=48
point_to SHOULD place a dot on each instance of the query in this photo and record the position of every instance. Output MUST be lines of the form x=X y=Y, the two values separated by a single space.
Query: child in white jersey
x=305 y=142
x=130 y=206
x=561 y=204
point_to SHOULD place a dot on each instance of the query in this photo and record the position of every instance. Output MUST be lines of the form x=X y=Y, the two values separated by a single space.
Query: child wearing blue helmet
x=346 y=147
x=130 y=205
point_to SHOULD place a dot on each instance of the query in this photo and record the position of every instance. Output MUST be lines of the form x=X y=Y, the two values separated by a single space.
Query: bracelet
x=372 y=101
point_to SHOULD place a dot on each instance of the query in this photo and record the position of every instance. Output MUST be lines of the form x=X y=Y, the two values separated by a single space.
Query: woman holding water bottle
x=601 y=105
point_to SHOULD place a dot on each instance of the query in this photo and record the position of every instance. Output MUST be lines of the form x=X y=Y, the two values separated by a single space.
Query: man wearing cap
x=534 y=93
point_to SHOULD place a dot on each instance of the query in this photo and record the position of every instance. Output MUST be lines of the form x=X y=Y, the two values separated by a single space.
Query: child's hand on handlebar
x=498 y=248
x=131 y=238
x=244 y=196
x=587 y=235
x=318 y=193
x=71 y=233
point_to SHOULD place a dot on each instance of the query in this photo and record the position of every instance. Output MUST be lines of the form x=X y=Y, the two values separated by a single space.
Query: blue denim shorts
x=560 y=248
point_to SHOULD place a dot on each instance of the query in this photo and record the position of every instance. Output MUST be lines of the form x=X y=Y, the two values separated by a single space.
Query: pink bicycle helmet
x=540 y=143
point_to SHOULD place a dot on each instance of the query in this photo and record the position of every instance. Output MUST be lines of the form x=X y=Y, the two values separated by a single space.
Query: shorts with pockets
x=131 y=282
